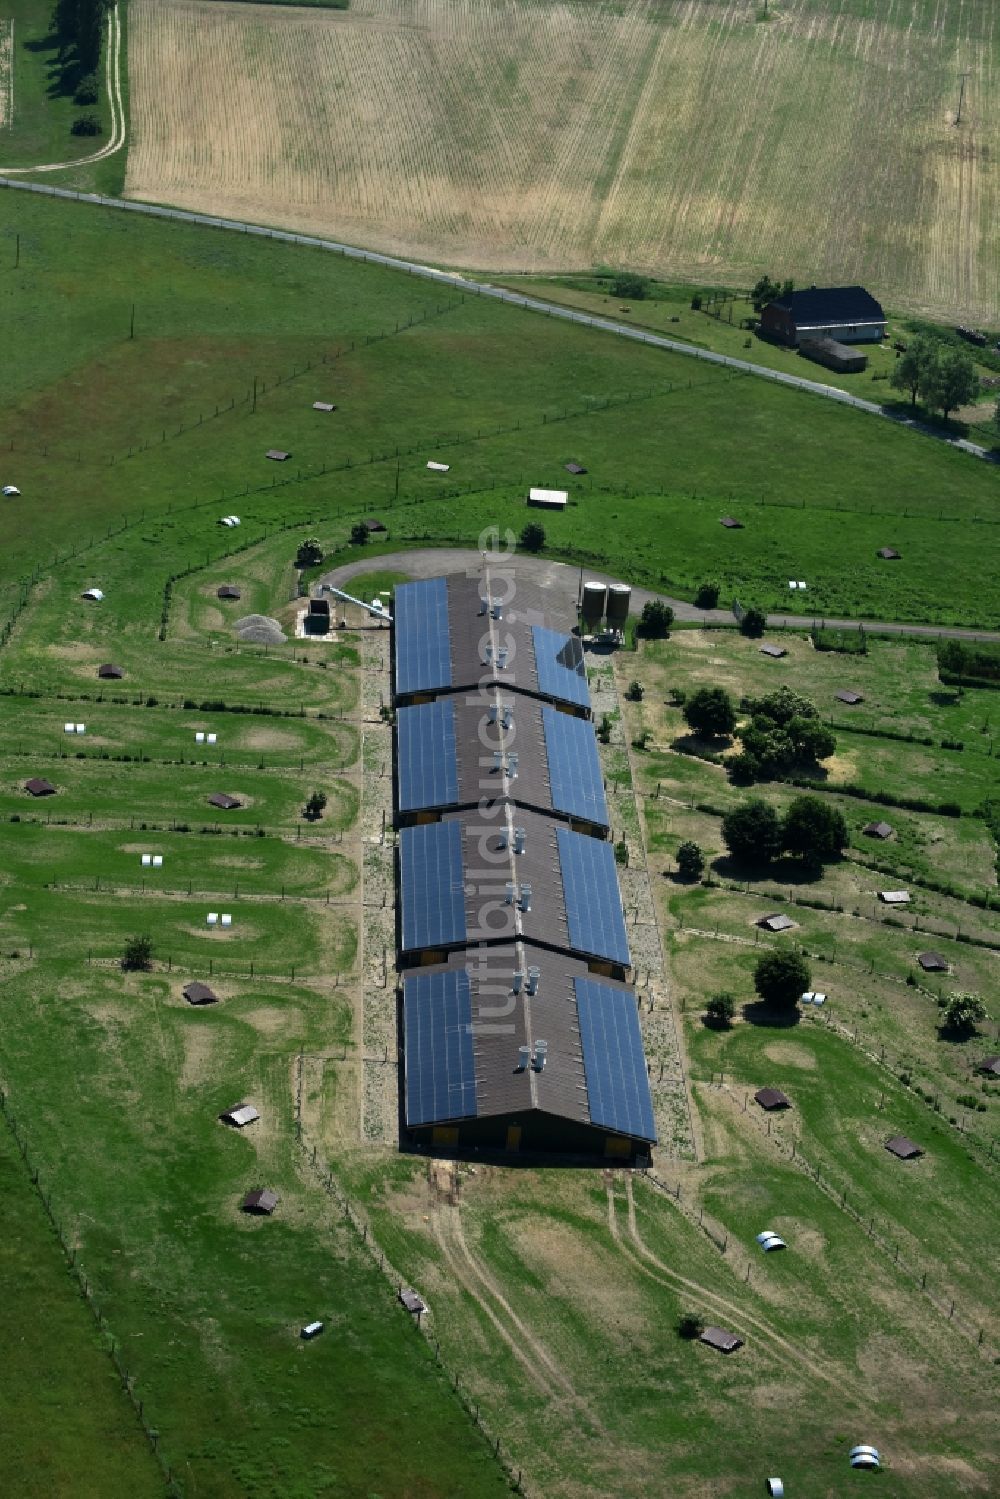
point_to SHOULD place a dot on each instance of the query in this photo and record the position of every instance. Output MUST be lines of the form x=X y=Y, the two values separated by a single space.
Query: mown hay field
x=685 y=139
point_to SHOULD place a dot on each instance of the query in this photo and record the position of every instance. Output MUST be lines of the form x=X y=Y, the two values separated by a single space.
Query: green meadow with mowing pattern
x=553 y=1295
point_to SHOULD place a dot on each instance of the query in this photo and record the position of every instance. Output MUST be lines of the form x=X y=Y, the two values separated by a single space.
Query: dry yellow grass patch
x=685 y=140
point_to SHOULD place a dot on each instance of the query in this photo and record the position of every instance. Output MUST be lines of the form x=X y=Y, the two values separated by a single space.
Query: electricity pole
x=961 y=100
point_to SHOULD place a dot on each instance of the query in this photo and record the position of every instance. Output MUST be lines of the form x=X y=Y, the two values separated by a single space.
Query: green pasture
x=34 y=726
x=667 y=310
x=542 y=1239
x=66 y=1427
x=42 y=854
x=218 y=311
x=276 y=936
x=848 y=1107
x=206 y=1304
x=118 y=794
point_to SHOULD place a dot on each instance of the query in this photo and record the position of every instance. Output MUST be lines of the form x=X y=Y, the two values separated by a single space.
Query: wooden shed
x=197 y=993
x=718 y=1337
x=877 y=830
x=903 y=1148
x=39 y=786
x=109 y=672
x=222 y=800
x=261 y=1201
x=772 y=1098
x=933 y=962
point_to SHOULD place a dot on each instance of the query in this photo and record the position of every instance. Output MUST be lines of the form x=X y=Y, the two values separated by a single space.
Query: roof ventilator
x=520 y=838
x=541 y=1053
x=534 y=974
x=523 y=1058
x=525 y=904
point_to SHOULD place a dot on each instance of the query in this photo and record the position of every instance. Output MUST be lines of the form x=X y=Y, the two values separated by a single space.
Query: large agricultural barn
x=520 y=1030
x=846 y=314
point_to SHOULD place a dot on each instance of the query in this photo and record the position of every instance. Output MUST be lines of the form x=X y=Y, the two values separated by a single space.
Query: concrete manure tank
x=619 y=603
x=594 y=604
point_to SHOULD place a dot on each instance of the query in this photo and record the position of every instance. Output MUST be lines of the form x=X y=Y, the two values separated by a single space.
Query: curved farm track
x=113 y=79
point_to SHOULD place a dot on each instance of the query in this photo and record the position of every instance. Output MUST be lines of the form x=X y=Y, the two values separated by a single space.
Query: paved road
x=458 y=282
x=563 y=581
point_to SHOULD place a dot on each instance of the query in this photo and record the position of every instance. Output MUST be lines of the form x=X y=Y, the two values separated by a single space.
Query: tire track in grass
x=644 y=1258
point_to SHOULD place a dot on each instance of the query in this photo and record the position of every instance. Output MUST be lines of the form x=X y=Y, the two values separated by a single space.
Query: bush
x=359 y=534
x=753 y=623
x=696 y=302
x=720 y=1010
x=962 y=1014
x=86 y=90
x=533 y=537
x=690 y=1326
x=781 y=977
x=657 y=617
x=314 y=806
x=89 y=124
x=690 y=861
x=707 y=596
x=641 y=741
x=711 y=712
x=604 y=729
x=628 y=284
x=621 y=853
x=635 y=692
x=752 y=832
x=814 y=829
x=138 y=955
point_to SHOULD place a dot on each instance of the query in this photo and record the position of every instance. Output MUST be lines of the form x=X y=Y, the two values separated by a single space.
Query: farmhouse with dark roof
x=847 y=314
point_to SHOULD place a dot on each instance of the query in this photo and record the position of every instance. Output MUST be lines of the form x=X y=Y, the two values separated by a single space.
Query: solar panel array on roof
x=423 y=655
x=593 y=904
x=440 y=1075
x=574 y=768
x=559 y=666
x=427 y=755
x=430 y=865
x=613 y=1059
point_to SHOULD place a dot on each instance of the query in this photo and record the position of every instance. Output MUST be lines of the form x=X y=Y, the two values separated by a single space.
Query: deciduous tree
x=752 y=832
x=781 y=977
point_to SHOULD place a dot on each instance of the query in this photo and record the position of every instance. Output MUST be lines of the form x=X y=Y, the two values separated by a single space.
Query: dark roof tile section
x=818 y=306
x=466 y=1031
x=877 y=830
x=905 y=1149
x=990 y=1065
x=227 y=591
x=777 y=651
x=197 y=993
x=718 y=1337
x=771 y=1098
x=851 y=698
x=412 y=1301
x=933 y=962
x=38 y=786
x=261 y=1201
x=223 y=800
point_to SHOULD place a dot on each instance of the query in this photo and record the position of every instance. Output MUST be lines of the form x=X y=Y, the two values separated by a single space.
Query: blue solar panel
x=420 y=623
x=426 y=756
x=574 y=769
x=559 y=664
x=440 y=1068
x=613 y=1059
x=431 y=885
x=593 y=902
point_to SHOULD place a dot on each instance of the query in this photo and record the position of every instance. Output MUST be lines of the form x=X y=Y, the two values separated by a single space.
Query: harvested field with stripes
x=687 y=139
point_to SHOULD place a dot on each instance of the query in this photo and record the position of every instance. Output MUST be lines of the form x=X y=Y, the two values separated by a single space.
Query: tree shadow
x=760 y=1012
x=945 y=699
x=64 y=69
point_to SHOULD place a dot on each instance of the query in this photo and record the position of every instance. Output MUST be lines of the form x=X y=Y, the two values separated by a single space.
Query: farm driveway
x=563 y=582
